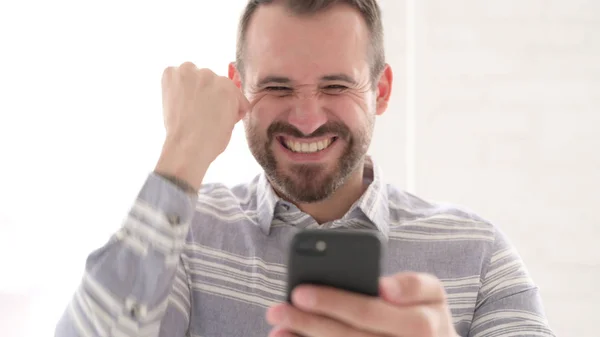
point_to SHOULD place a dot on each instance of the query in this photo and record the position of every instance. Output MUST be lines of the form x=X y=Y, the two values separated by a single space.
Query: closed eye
x=336 y=87
x=278 y=88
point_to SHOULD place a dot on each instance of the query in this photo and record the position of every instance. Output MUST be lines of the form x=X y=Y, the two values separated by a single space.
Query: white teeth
x=307 y=147
x=297 y=147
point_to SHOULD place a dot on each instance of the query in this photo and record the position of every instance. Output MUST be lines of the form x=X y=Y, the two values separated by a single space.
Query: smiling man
x=197 y=259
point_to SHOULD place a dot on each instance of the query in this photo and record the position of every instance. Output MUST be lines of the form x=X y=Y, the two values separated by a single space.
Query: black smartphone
x=344 y=259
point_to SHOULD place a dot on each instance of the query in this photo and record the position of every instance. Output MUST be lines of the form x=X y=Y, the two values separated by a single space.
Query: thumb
x=389 y=290
x=244 y=105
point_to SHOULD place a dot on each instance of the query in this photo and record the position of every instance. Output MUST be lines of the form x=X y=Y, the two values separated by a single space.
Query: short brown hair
x=369 y=9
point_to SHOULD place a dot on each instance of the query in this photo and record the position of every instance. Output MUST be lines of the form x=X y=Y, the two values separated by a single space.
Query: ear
x=234 y=75
x=384 y=89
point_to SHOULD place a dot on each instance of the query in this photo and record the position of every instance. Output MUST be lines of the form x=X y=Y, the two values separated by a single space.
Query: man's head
x=315 y=73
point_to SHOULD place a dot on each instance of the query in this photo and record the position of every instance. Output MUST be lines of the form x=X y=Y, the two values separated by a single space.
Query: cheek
x=351 y=111
x=258 y=120
x=265 y=112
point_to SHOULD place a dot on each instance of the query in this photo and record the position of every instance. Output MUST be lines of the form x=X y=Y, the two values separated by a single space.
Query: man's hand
x=410 y=304
x=200 y=110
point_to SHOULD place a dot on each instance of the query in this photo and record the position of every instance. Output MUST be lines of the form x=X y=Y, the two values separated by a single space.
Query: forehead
x=306 y=47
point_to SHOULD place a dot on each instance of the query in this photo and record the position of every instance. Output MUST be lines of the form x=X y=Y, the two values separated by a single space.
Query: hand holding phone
x=350 y=260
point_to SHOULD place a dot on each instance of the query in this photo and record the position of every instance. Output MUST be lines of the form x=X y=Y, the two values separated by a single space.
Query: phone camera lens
x=321 y=246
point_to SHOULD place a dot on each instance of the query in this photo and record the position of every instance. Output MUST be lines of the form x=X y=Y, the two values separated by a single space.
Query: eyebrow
x=339 y=77
x=286 y=80
x=273 y=80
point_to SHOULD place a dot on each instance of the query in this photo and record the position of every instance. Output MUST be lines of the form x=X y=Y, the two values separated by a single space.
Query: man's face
x=314 y=104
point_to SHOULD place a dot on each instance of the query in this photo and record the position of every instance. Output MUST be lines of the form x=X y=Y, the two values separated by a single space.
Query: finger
x=412 y=288
x=244 y=104
x=281 y=332
x=188 y=66
x=166 y=80
x=188 y=70
x=372 y=314
x=306 y=324
x=420 y=320
x=359 y=311
x=167 y=73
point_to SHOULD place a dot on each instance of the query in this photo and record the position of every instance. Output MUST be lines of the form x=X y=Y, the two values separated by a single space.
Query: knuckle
x=425 y=322
x=168 y=71
x=298 y=319
x=205 y=76
x=441 y=292
x=205 y=73
x=412 y=283
x=186 y=66
x=225 y=82
x=436 y=286
x=223 y=86
x=366 y=312
x=167 y=74
x=433 y=279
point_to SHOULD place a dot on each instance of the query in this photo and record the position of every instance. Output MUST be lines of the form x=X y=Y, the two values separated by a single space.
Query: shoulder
x=410 y=212
x=242 y=193
x=418 y=208
x=413 y=219
x=223 y=199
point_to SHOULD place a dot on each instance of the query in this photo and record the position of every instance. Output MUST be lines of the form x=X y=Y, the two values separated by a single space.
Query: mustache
x=336 y=128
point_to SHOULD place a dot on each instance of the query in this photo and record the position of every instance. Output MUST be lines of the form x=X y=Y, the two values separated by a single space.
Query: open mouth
x=306 y=147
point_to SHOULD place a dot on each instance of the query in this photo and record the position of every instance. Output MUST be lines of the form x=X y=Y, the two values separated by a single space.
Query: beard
x=309 y=182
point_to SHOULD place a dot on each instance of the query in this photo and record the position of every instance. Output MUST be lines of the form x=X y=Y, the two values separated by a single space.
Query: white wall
x=498 y=114
x=81 y=127
x=388 y=147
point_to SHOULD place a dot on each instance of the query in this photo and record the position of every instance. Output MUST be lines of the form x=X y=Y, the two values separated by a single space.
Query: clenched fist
x=200 y=110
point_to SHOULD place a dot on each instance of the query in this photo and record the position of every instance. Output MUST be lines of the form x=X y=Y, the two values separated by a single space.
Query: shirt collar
x=267 y=199
x=373 y=203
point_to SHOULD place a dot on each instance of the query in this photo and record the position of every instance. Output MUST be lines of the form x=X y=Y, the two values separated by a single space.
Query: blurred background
x=496 y=107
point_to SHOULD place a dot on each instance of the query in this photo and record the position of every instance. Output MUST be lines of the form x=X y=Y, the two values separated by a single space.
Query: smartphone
x=344 y=259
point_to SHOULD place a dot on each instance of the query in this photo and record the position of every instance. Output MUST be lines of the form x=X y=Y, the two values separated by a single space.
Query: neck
x=336 y=206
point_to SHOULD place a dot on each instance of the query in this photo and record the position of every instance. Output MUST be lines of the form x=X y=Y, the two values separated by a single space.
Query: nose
x=307 y=114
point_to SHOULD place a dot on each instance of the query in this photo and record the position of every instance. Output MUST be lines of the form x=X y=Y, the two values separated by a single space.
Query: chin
x=307 y=183
x=307 y=172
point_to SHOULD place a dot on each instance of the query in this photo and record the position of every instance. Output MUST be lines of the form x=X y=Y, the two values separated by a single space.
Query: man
x=207 y=260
